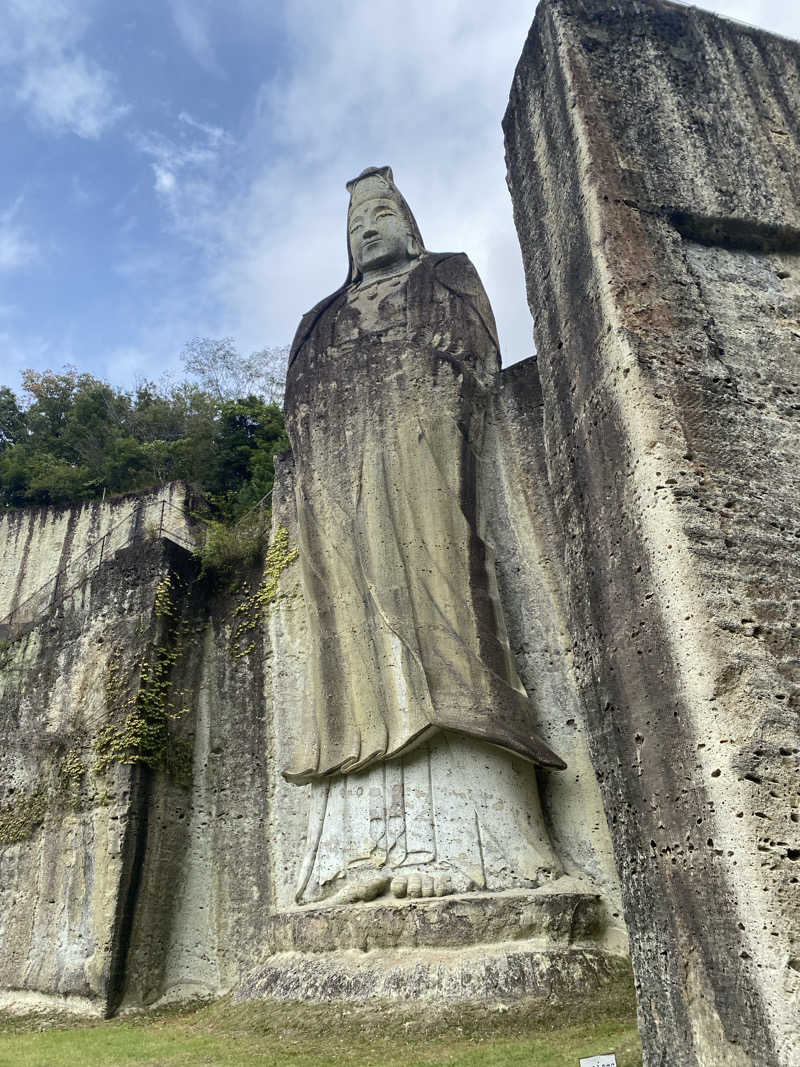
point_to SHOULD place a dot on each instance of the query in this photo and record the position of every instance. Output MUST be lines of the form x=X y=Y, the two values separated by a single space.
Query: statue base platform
x=546 y=942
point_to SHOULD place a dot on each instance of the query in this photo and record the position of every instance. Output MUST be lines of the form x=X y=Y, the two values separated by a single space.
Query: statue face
x=379 y=235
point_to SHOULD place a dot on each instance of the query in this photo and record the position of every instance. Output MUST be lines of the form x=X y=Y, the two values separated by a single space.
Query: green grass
x=307 y=1035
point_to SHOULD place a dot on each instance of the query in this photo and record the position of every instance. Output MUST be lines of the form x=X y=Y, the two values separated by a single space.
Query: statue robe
x=386 y=400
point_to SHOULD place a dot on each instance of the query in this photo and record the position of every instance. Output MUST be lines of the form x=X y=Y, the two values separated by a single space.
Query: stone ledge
x=552 y=916
x=487 y=974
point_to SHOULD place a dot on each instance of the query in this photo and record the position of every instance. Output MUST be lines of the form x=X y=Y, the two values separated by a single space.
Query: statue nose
x=369 y=233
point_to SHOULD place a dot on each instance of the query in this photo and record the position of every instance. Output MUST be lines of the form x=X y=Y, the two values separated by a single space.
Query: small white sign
x=609 y=1060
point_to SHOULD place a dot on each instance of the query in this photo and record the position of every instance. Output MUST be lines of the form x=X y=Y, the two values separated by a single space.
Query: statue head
x=381 y=231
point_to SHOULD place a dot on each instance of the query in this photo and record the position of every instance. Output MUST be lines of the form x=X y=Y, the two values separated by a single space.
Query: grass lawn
x=301 y=1035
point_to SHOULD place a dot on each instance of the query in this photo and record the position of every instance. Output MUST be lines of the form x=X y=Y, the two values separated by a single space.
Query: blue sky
x=176 y=168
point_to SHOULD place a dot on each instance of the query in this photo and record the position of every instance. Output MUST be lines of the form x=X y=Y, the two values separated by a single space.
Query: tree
x=249 y=433
x=226 y=374
x=12 y=419
x=74 y=437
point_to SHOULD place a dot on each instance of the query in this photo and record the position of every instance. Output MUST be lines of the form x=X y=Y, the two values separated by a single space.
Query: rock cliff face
x=79 y=685
x=523 y=529
x=653 y=156
x=133 y=769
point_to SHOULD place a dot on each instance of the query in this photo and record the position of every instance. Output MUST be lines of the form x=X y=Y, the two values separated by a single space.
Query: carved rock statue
x=419 y=737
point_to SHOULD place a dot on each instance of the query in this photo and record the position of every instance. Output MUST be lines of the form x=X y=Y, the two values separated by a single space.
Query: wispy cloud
x=187 y=170
x=71 y=95
x=43 y=64
x=17 y=249
x=192 y=21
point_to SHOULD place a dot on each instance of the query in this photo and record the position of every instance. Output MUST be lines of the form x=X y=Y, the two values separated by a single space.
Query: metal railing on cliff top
x=146 y=519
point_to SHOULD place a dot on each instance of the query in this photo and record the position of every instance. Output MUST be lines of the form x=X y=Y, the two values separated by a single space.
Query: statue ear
x=411 y=246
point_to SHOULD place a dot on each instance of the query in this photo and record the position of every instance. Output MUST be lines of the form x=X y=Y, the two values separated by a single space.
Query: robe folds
x=386 y=401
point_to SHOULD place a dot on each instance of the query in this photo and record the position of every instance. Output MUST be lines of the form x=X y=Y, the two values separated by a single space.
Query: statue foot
x=369 y=886
x=365 y=888
x=421 y=885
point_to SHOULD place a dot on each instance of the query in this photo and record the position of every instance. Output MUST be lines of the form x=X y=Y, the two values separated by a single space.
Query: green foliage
x=251 y=611
x=12 y=421
x=70 y=777
x=140 y=704
x=71 y=437
x=164 y=604
x=228 y=548
x=22 y=817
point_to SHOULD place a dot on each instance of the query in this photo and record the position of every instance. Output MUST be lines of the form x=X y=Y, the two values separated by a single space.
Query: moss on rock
x=21 y=818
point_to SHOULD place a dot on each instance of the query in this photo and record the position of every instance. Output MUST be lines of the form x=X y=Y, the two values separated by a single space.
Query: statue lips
x=376 y=250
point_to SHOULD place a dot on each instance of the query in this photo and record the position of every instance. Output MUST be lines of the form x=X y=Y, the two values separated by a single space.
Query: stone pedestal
x=546 y=942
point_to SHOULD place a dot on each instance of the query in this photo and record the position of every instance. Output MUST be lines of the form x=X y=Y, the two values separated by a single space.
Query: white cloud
x=191 y=18
x=71 y=95
x=17 y=249
x=778 y=16
x=215 y=135
x=61 y=87
x=354 y=84
x=165 y=180
x=186 y=173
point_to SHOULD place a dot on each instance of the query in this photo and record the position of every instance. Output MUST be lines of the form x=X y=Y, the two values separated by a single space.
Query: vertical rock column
x=654 y=164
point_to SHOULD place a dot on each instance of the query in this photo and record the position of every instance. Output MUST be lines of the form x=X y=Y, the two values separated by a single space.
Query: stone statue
x=418 y=738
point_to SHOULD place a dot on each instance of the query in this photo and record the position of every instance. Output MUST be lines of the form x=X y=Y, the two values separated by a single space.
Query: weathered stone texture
x=206 y=870
x=288 y=688
x=523 y=529
x=68 y=835
x=35 y=543
x=486 y=974
x=653 y=162
x=130 y=882
x=554 y=917
x=521 y=526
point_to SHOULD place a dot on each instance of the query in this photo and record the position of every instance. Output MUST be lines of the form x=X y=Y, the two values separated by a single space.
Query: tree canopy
x=69 y=436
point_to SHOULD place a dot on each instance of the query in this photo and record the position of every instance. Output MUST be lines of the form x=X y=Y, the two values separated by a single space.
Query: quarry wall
x=132 y=775
x=653 y=163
